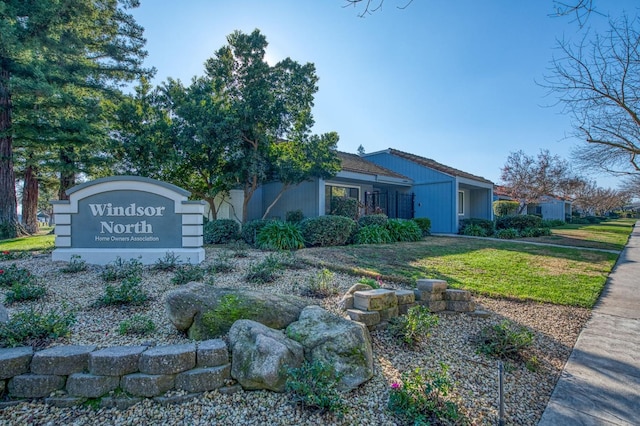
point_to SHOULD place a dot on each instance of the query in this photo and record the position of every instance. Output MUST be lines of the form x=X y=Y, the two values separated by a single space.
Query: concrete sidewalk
x=600 y=384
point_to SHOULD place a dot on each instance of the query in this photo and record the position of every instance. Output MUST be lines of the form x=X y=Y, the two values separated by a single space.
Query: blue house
x=443 y=194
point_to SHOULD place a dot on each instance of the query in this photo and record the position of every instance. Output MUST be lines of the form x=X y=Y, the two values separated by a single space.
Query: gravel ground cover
x=556 y=329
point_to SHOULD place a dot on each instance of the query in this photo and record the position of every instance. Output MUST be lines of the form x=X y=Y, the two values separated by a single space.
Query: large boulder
x=261 y=356
x=205 y=312
x=333 y=340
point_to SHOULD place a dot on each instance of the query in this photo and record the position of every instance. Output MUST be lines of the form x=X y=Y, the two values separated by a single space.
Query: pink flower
x=5 y=252
x=1 y=271
x=395 y=385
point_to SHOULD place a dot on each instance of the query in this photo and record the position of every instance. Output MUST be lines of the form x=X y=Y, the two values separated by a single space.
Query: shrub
x=13 y=255
x=421 y=399
x=280 y=236
x=169 y=262
x=371 y=282
x=120 y=269
x=221 y=231
x=593 y=219
x=13 y=275
x=404 y=230
x=222 y=263
x=139 y=325
x=505 y=207
x=187 y=273
x=127 y=293
x=251 y=229
x=474 y=231
x=554 y=223
x=294 y=216
x=322 y=285
x=410 y=328
x=424 y=223
x=20 y=292
x=373 y=234
x=505 y=340
x=519 y=222
x=507 y=234
x=35 y=327
x=487 y=225
x=239 y=248
x=315 y=387
x=345 y=206
x=327 y=230
x=535 y=232
x=373 y=219
x=264 y=272
x=76 y=264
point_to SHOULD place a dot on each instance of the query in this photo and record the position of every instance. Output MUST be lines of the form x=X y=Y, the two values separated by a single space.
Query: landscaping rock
x=115 y=361
x=34 y=385
x=14 y=361
x=91 y=386
x=62 y=360
x=205 y=312
x=170 y=359
x=4 y=314
x=347 y=300
x=203 y=379
x=374 y=300
x=336 y=341
x=147 y=385
x=260 y=356
x=212 y=353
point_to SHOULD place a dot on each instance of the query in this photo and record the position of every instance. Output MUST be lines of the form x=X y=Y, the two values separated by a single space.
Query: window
x=332 y=191
x=461 y=203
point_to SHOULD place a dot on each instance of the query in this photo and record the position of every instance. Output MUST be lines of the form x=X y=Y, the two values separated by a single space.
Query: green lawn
x=610 y=235
x=40 y=242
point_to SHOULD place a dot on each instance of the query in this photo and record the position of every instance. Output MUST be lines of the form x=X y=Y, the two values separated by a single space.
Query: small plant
x=13 y=255
x=187 y=273
x=474 y=231
x=13 y=275
x=278 y=235
x=416 y=325
x=120 y=269
x=20 y=292
x=230 y=309
x=315 y=387
x=404 y=230
x=505 y=340
x=423 y=398
x=76 y=264
x=373 y=234
x=35 y=327
x=239 y=248
x=264 y=272
x=289 y=260
x=127 y=293
x=322 y=285
x=371 y=282
x=139 y=325
x=507 y=234
x=169 y=262
x=222 y=263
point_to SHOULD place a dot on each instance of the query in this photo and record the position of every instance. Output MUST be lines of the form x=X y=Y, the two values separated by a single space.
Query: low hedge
x=487 y=226
x=327 y=230
x=221 y=231
x=519 y=222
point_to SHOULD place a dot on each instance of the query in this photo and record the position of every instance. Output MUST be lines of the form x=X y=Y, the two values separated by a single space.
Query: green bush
x=507 y=234
x=519 y=222
x=187 y=273
x=221 y=231
x=345 y=206
x=294 y=216
x=19 y=292
x=251 y=229
x=35 y=327
x=422 y=398
x=474 y=231
x=487 y=225
x=127 y=293
x=264 y=272
x=76 y=264
x=13 y=275
x=404 y=230
x=535 y=232
x=13 y=255
x=593 y=219
x=120 y=269
x=425 y=225
x=554 y=223
x=416 y=325
x=139 y=325
x=505 y=340
x=315 y=387
x=505 y=207
x=280 y=236
x=373 y=234
x=327 y=230
x=322 y=285
x=169 y=262
x=373 y=219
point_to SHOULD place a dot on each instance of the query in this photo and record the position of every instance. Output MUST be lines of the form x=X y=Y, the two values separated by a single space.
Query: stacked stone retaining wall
x=119 y=376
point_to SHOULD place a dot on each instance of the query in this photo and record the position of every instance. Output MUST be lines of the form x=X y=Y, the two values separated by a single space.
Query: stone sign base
x=146 y=256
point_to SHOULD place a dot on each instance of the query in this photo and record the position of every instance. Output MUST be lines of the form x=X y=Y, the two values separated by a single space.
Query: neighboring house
x=443 y=194
x=549 y=207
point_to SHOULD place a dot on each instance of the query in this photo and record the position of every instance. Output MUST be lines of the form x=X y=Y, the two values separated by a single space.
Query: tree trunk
x=67 y=173
x=275 y=201
x=30 y=200
x=212 y=207
x=9 y=225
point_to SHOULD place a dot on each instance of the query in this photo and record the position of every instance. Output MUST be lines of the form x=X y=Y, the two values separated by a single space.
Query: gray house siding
x=303 y=197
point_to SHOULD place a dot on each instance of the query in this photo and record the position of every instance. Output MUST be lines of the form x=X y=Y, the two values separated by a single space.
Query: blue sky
x=451 y=81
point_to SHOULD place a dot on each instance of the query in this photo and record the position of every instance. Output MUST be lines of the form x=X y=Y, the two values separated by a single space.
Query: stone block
x=170 y=359
x=147 y=385
x=119 y=402
x=14 y=361
x=91 y=386
x=431 y=286
x=61 y=360
x=34 y=385
x=435 y=305
x=175 y=399
x=212 y=353
x=374 y=300
x=366 y=317
x=64 y=401
x=457 y=295
x=461 y=306
x=405 y=297
x=115 y=361
x=346 y=302
x=427 y=296
x=404 y=309
x=229 y=390
x=387 y=314
x=480 y=313
x=203 y=379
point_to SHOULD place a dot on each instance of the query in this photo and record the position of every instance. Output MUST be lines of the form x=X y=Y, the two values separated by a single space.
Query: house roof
x=427 y=162
x=355 y=163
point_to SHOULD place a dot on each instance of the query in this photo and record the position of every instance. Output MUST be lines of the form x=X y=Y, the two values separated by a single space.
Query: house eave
x=387 y=180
